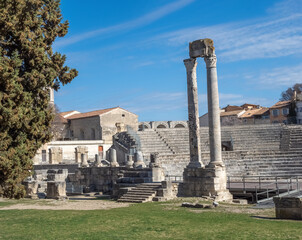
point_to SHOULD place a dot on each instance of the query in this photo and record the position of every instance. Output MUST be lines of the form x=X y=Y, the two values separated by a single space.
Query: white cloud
x=281 y=76
x=126 y=26
x=273 y=36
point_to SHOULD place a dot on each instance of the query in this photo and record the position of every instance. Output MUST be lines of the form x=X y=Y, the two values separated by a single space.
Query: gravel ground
x=49 y=204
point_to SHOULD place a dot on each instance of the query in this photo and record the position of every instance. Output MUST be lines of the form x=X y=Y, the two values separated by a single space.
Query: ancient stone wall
x=86 y=128
x=99 y=179
x=115 y=119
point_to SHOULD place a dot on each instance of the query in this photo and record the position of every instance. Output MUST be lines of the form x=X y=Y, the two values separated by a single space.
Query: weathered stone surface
x=211 y=180
x=154 y=160
x=213 y=111
x=288 y=208
x=139 y=160
x=201 y=182
x=31 y=188
x=84 y=161
x=55 y=155
x=194 y=134
x=59 y=175
x=201 y=48
x=113 y=158
x=130 y=162
x=56 y=190
x=98 y=162
x=79 y=150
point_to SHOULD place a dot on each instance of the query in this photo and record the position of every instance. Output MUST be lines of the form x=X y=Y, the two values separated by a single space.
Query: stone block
x=31 y=188
x=201 y=48
x=288 y=208
x=56 y=190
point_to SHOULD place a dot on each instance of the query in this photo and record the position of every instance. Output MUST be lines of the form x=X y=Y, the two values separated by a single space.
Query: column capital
x=190 y=63
x=211 y=61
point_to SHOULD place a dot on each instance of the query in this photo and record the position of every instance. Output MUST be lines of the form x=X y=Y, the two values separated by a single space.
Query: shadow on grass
x=266 y=218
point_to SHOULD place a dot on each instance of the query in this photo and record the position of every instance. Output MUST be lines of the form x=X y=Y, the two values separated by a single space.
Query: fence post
x=259 y=182
x=277 y=182
x=267 y=194
x=256 y=195
x=244 y=191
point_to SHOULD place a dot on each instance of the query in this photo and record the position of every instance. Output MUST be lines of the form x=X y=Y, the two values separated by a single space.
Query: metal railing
x=264 y=186
x=174 y=178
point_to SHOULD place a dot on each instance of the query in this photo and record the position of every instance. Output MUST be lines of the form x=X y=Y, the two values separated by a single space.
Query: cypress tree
x=28 y=68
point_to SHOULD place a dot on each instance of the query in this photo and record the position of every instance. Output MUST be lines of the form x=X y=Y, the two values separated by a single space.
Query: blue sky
x=130 y=53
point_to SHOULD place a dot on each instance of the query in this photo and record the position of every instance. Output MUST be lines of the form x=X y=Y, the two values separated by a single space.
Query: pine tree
x=28 y=68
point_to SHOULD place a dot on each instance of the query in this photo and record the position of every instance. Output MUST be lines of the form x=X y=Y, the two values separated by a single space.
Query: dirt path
x=48 y=204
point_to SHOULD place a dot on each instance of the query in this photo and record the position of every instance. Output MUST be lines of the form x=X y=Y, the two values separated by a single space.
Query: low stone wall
x=99 y=179
x=288 y=208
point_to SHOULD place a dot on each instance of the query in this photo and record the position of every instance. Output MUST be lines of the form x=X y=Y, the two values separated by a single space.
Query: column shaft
x=213 y=111
x=194 y=134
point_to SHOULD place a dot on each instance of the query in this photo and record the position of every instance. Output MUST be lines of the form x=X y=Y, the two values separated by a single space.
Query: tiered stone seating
x=260 y=137
x=256 y=149
x=151 y=142
x=295 y=139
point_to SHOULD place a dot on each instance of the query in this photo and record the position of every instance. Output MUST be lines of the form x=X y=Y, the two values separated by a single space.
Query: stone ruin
x=56 y=184
x=288 y=208
x=200 y=180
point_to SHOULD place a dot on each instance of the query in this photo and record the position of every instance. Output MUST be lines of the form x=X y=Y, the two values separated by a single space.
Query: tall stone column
x=214 y=111
x=194 y=134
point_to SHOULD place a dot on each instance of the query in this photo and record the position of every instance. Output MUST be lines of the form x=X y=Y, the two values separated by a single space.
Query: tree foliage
x=28 y=68
x=289 y=93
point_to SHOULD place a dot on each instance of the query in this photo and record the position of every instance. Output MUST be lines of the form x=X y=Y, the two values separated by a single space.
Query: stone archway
x=179 y=125
x=161 y=125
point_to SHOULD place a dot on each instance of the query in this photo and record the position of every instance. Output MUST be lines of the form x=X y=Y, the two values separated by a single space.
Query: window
x=82 y=134
x=43 y=155
x=123 y=115
x=285 y=111
x=276 y=112
x=92 y=134
x=300 y=109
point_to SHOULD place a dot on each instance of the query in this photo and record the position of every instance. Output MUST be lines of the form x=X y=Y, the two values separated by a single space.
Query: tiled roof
x=253 y=112
x=59 y=118
x=230 y=113
x=281 y=104
x=68 y=114
x=91 y=114
x=261 y=111
x=229 y=108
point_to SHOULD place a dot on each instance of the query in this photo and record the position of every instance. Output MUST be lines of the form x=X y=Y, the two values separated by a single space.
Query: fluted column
x=194 y=134
x=214 y=111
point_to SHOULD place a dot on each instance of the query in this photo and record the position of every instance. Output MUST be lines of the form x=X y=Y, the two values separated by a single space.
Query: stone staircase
x=141 y=193
x=295 y=138
x=152 y=142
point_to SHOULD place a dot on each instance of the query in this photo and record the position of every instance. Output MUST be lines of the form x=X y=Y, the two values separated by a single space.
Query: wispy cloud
x=279 y=77
x=273 y=36
x=126 y=26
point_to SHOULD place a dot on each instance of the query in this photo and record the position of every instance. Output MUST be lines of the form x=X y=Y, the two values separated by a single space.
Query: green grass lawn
x=146 y=221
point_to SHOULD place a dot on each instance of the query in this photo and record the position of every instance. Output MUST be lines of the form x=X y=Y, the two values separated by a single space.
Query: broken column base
x=56 y=190
x=209 y=181
x=31 y=188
